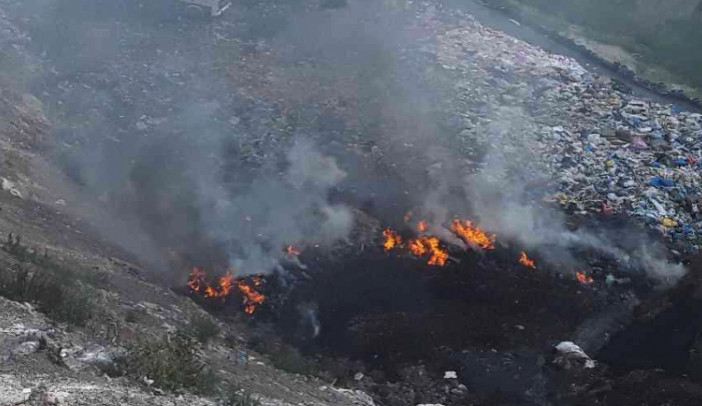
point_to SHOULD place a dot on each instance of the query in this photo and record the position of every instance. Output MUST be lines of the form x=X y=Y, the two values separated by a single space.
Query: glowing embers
x=584 y=278
x=473 y=236
x=292 y=251
x=524 y=260
x=222 y=288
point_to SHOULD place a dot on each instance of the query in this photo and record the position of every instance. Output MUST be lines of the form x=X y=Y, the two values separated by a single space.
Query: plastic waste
x=661 y=182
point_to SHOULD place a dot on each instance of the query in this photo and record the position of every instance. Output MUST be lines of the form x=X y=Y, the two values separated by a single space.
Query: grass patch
x=37 y=280
x=204 y=329
x=174 y=362
x=666 y=38
x=13 y=246
x=60 y=300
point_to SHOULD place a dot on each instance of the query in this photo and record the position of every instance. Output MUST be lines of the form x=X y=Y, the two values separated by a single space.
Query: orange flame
x=473 y=236
x=392 y=240
x=196 y=281
x=583 y=278
x=423 y=226
x=252 y=299
x=292 y=251
x=524 y=260
x=222 y=289
x=429 y=245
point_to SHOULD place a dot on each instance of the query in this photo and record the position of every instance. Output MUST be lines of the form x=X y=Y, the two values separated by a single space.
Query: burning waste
x=473 y=236
x=438 y=255
x=431 y=246
x=420 y=247
x=584 y=278
x=223 y=287
x=524 y=260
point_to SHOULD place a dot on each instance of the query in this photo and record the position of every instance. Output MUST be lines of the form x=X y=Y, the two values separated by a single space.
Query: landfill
x=584 y=141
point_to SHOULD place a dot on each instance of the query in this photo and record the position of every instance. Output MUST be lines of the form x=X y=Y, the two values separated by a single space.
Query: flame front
x=196 y=281
x=423 y=227
x=392 y=240
x=420 y=247
x=223 y=287
x=252 y=299
x=473 y=236
x=584 y=278
x=524 y=260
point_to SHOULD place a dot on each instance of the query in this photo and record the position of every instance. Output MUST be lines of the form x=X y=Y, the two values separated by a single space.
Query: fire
x=474 y=236
x=196 y=281
x=429 y=246
x=292 y=251
x=222 y=288
x=252 y=299
x=583 y=278
x=423 y=226
x=424 y=246
x=524 y=260
x=392 y=240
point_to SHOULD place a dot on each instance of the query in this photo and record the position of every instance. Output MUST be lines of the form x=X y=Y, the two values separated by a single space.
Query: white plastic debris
x=450 y=375
x=10 y=187
x=26 y=348
x=569 y=351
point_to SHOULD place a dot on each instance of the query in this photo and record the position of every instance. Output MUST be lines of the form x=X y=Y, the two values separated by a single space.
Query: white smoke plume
x=284 y=209
x=501 y=197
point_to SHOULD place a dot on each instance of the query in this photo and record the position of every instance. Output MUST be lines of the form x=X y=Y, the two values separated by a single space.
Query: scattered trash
x=450 y=375
x=605 y=151
x=661 y=182
x=569 y=353
x=10 y=187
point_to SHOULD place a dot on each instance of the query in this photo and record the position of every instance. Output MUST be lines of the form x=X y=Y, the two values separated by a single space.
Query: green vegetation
x=204 y=329
x=173 y=362
x=36 y=279
x=660 y=33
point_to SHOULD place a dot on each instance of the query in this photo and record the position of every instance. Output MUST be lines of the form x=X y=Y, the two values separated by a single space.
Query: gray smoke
x=282 y=209
x=503 y=195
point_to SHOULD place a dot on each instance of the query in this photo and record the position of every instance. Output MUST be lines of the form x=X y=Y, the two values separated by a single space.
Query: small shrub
x=63 y=301
x=289 y=359
x=241 y=398
x=204 y=329
x=173 y=362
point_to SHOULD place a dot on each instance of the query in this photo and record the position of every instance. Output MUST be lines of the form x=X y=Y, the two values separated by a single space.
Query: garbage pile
x=599 y=148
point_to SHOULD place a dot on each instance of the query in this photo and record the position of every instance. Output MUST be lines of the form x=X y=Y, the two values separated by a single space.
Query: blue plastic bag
x=661 y=182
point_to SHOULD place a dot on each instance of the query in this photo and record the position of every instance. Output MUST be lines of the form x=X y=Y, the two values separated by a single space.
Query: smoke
x=280 y=210
x=505 y=193
x=206 y=140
